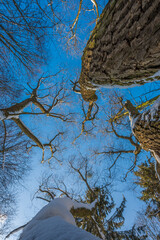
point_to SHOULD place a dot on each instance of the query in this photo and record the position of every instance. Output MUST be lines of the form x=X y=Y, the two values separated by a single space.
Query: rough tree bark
x=124 y=47
x=146 y=127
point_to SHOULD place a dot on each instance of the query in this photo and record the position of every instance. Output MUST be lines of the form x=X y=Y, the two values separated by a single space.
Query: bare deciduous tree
x=46 y=104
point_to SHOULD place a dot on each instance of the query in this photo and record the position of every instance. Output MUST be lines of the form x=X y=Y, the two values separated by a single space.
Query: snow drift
x=55 y=222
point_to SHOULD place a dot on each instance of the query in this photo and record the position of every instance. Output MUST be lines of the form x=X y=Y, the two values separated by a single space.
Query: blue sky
x=58 y=58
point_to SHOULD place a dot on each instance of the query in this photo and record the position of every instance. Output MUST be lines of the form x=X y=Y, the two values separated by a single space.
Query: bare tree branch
x=16 y=110
x=140 y=107
x=16 y=230
x=132 y=167
x=88 y=117
x=53 y=149
x=82 y=177
x=27 y=132
x=46 y=191
x=138 y=147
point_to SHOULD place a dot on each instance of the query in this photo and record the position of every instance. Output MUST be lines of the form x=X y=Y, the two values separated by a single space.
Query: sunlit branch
x=77 y=17
x=96 y=6
x=27 y=132
x=53 y=149
x=16 y=110
x=88 y=117
x=131 y=109
x=140 y=107
x=75 y=84
x=75 y=23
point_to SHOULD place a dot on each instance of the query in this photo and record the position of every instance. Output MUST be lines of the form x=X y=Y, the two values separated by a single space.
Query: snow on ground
x=55 y=222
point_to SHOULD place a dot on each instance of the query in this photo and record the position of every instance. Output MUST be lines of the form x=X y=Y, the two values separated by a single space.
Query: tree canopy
x=71 y=117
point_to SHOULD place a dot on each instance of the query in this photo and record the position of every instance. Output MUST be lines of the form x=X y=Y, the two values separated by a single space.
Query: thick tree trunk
x=124 y=47
x=146 y=127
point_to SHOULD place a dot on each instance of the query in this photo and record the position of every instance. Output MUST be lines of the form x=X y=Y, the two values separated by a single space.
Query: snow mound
x=55 y=222
x=56 y=228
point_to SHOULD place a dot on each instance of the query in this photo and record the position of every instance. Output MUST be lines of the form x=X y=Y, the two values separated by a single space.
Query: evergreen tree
x=148 y=180
x=98 y=222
